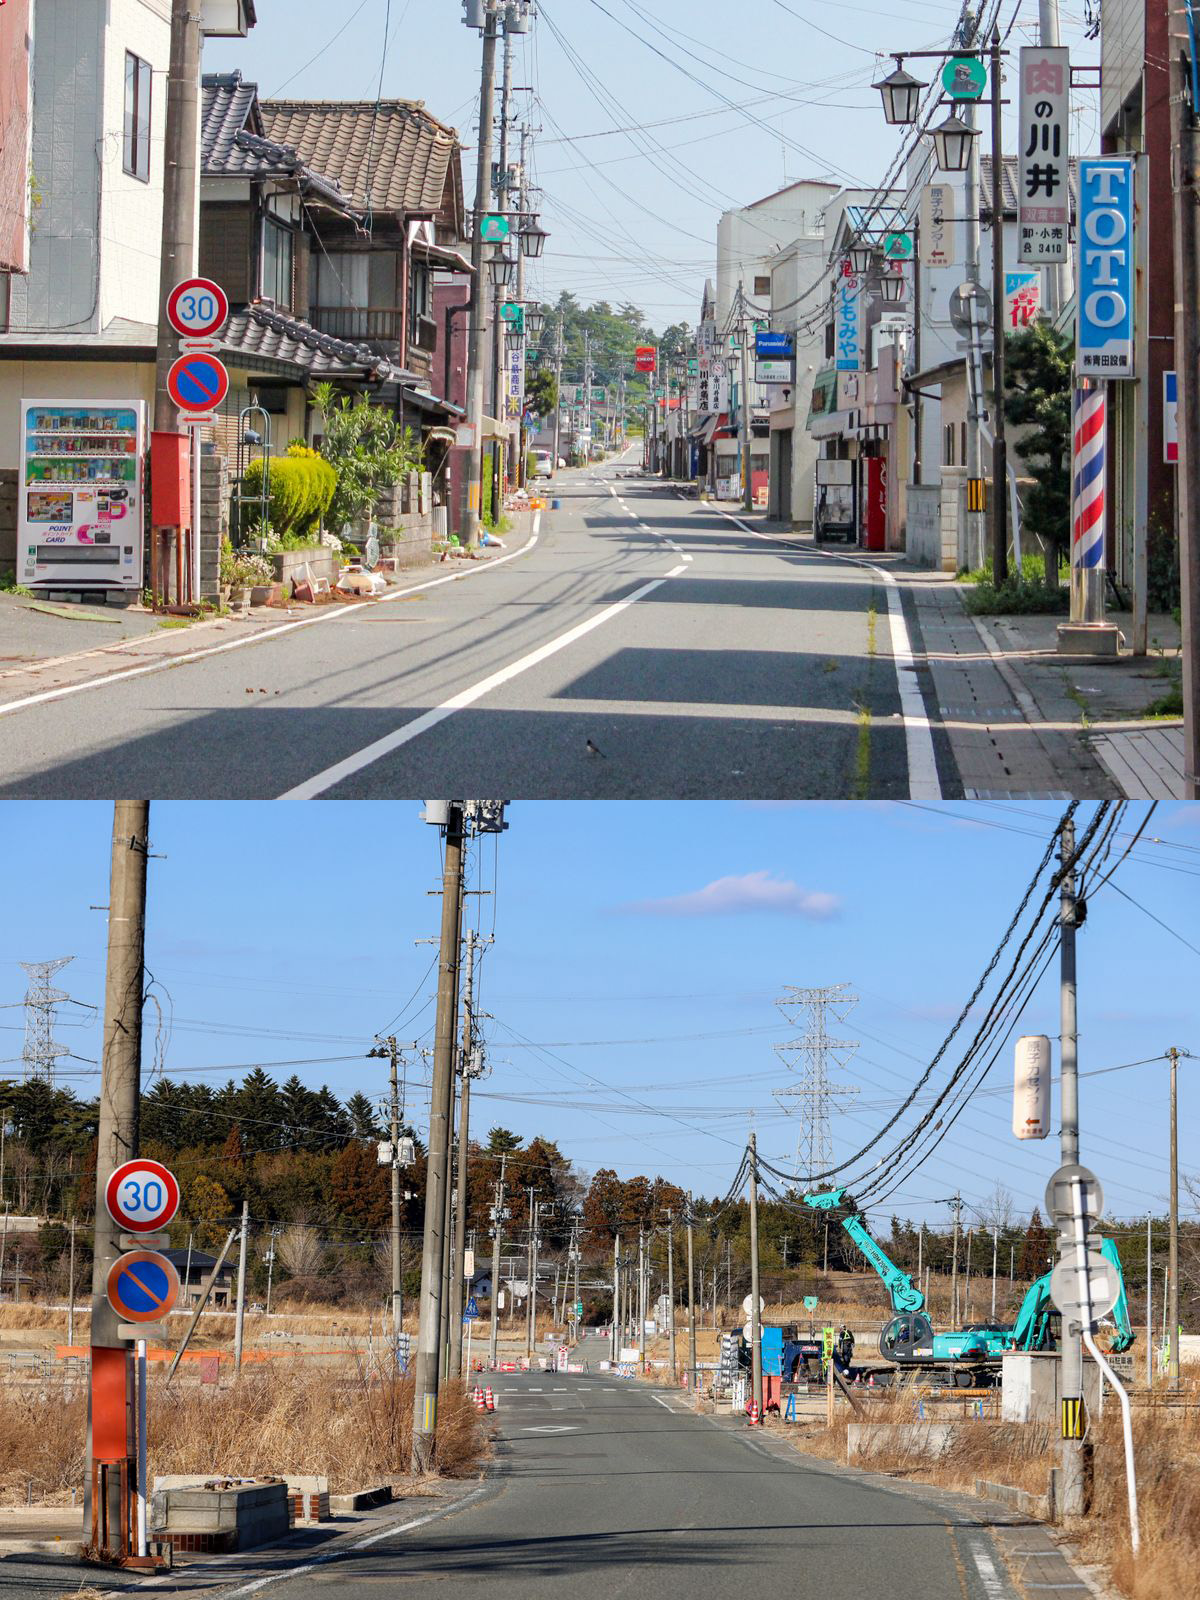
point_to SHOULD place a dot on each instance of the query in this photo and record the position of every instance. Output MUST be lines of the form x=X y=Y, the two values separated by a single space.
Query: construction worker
x=845 y=1348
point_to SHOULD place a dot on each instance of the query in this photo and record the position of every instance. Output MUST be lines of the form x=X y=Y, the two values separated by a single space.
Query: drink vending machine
x=80 y=512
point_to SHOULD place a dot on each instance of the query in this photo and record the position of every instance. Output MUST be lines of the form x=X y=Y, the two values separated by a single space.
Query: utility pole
x=999 y=438
x=397 y=1263
x=995 y=1247
x=240 y=1323
x=497 y=1225
x=434 y=1243
x=1073 y=1463
x=756 y=1394
x=477 y=319
x=180 y=190
x=956 y=1205
x=671 y=1292
x=468 y=1069
x=616 y=1316
x=640 y=1341
x=744 y=400
x=691 y=1303
x=1149 y=1307
x=530 y=1311
x=1187 y=365
x=106 y=1520
x=1173 y=1241
x=558 y=361
x=270 y=1267
x=71 y=1288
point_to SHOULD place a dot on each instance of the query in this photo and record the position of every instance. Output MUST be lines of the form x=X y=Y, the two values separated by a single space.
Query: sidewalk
x=1022 y=721
x=48 y=645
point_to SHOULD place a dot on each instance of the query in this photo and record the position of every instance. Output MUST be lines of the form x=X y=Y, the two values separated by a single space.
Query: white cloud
x=751 y=891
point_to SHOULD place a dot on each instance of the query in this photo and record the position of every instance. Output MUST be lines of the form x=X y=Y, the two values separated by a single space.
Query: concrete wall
x=1031 y=1386
x=69 y=380
x=925 y=525
x=130 y=210
x=214 y=521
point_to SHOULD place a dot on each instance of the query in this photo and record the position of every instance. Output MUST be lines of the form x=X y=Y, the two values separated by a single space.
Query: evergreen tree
x=1037 y=384
x=364 y=1122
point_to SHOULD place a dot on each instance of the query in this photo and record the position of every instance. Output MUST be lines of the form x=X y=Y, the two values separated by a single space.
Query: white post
x=141 y=1447
x=195 y=562
x=1127 y=1431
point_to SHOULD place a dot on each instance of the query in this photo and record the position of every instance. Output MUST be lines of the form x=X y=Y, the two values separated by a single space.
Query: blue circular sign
x=142 y=1286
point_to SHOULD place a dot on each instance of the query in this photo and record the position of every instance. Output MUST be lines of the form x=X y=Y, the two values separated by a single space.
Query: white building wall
x=131 y=211
x=794 y=305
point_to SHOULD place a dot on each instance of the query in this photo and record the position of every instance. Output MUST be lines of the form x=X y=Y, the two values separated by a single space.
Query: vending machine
x=79 y=513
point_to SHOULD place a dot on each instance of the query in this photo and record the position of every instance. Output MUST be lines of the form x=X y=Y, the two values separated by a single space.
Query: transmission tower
x=42 y=1049
x=812 y=1055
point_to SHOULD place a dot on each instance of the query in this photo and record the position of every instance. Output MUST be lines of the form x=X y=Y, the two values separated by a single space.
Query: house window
x=420 y=302
x=948 y=445
x=278 y=257
x=762 y=286
x=962 y=454
x=135 y=157
x=5 y=299
x=829 y=338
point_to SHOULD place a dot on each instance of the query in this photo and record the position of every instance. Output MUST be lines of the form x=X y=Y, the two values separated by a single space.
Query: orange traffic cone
x=478 y=1400
x=754 y=1417
x=489 y=1401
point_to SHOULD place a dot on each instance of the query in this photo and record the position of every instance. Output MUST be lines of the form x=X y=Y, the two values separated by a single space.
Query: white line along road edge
x=268 y=633
x=323 y=781
x=923 y=781
x=358 y=1544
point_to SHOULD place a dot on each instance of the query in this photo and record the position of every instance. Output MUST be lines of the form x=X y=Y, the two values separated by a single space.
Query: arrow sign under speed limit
x=142 y=1195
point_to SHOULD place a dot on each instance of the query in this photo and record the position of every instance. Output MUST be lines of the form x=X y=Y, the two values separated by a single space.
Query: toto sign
x=1104 y=328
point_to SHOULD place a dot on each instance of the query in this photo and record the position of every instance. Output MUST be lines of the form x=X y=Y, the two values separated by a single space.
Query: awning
x=440 y=255
x=445 y=436
x=430 y=404
x=492 y=429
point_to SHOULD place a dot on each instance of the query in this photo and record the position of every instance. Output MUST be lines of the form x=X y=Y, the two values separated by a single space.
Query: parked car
x=542 y=464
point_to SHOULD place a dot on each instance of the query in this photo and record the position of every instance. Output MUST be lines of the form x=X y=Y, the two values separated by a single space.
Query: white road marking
x=358 y=1544
x=992 y=1582
x=570 y=1427
x=268 y=633
x=322 y=781
x=923 y=781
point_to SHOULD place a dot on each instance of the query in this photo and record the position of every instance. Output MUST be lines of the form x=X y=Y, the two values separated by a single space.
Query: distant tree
x=1035 y=1252
x=359 y=1187
x=503 y=1139
x=210 y=1209
x=541 y=393
x=364 y=1121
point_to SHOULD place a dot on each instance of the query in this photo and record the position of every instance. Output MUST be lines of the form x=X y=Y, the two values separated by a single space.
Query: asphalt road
x=611 y=1488
x=700 y=659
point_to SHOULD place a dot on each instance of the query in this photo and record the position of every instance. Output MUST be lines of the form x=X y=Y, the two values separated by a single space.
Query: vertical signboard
x=1104 y=321
x=706 y=335
x=1044 y=202
x=16 y=92
x=1022 y=298
x=1031 y=1087
x=718 y=381
x=848 y=341
x=1170 y=419
x=516 y=384
x=937 y=225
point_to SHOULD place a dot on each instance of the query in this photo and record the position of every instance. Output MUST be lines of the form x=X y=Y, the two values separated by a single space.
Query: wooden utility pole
x=1173 y=1241
x=497 y=1225
x=671 y=1292
x=756 y=1389
x=469 y=1068
x=1187 y=365
x=108 y=1486
x=427 y=1366
x=691 y=1302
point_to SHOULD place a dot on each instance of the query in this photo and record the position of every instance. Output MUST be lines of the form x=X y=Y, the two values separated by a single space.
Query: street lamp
x=503 y=270
x=952 y=140
x=861 y=255
x=535 y=321
x=533 y=239
x=892 y=286
x=901 y=96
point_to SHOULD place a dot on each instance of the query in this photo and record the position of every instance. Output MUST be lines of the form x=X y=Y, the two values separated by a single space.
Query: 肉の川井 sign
x=1044 y=198
x=142 y=1195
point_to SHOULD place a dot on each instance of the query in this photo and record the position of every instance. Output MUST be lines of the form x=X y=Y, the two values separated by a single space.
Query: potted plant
x=244 y=576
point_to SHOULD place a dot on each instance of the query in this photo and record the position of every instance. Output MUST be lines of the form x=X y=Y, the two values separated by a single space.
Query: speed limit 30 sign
x=197 y=307
x=142 y=1195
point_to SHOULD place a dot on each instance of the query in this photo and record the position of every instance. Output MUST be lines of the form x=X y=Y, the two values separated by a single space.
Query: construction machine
x=971 y=1354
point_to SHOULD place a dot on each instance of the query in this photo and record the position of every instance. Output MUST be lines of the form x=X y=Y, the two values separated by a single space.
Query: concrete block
x=1030 y=1390
x=361 y=1499
x=1100 y=640
x=865 y=1439
x=1039 y=1507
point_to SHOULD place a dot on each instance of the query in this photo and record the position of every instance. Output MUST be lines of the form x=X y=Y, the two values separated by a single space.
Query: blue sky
x=716 y=106
x=641 y=948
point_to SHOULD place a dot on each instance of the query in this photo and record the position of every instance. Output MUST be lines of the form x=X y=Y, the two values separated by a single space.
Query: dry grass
x=355 y=1429
x=1166 y=1451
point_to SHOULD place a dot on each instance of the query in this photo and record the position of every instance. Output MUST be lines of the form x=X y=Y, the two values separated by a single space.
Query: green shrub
x=1014 y=596
x=302 y=485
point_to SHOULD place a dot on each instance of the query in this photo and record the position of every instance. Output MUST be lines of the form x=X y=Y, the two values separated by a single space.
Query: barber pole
x=1089 y=437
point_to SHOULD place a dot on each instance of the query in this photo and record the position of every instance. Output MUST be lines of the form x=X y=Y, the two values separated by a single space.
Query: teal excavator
x=908 y=1339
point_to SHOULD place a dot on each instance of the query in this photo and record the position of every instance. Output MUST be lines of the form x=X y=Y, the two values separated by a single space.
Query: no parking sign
x=142 y=1286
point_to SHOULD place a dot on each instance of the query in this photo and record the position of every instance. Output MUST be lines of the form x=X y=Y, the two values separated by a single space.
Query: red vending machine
x=874 y=506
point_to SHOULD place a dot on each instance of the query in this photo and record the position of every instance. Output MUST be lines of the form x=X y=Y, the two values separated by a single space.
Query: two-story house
x=79 y=295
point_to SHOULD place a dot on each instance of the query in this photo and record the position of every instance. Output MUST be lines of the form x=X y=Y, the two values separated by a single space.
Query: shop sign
x=848 y=322
x=1104 y=323
x=937 y=225
x=1022 y=298
x=1044 y=203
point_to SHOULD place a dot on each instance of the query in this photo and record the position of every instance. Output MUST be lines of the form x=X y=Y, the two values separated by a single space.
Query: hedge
x=302 y=485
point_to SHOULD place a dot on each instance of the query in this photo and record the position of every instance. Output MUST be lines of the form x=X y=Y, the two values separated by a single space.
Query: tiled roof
x=229 y=107
x=272 y=335
x=1008 y=183
x=392 y=156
